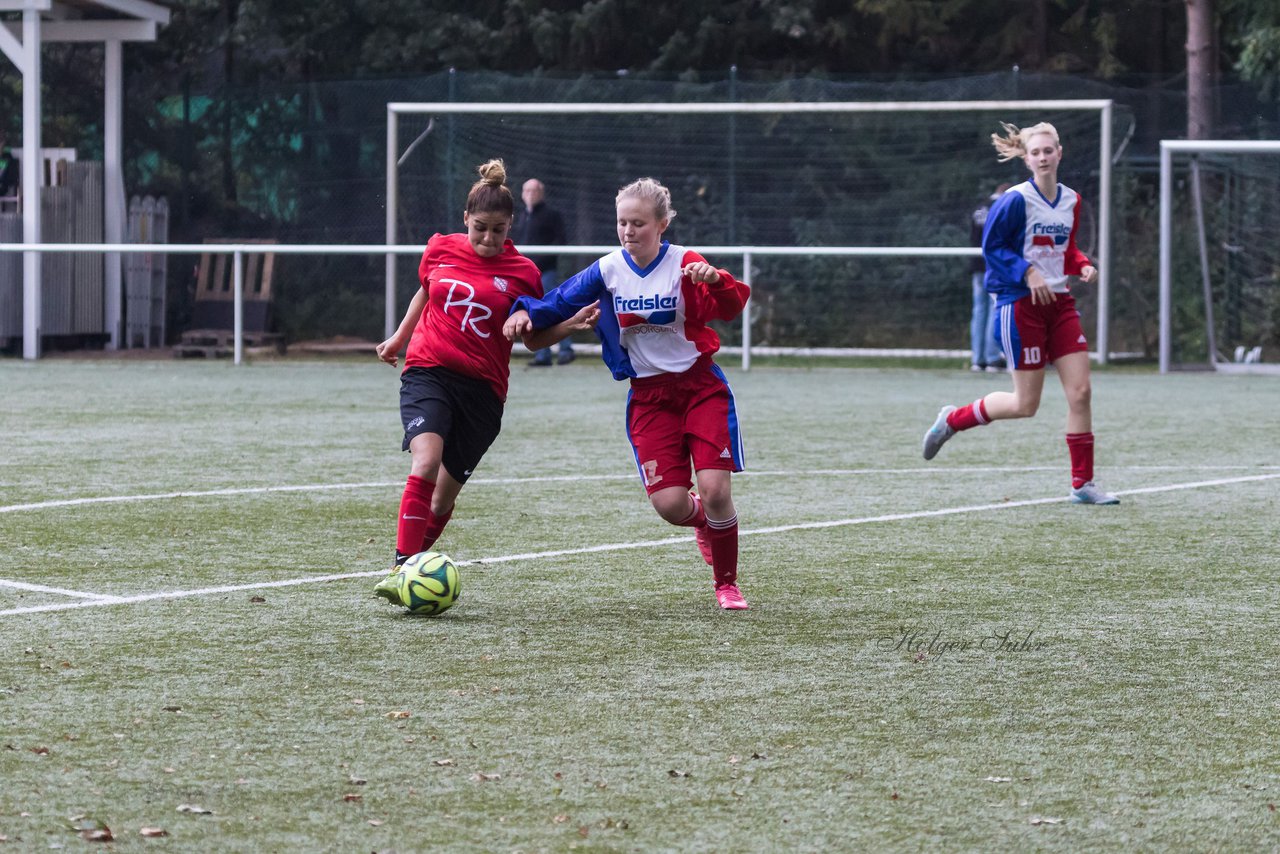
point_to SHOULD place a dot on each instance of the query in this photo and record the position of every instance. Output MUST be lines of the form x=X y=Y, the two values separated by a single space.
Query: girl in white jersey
x=654 y=300
x=1029 y=245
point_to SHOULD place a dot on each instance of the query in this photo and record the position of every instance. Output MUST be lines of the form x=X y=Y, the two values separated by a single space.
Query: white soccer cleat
x=939 y=433
x=1091 y=493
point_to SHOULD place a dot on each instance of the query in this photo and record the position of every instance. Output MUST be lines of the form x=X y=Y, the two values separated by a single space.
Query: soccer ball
x=429 y=583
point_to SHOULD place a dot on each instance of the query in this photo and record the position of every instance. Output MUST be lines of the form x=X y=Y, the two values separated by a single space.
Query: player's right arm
x=389 y=350
x=1003 y=239
x=519 y=325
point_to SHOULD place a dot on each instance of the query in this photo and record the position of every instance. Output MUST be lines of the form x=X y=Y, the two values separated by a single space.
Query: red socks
x=435 y=524
x=697 y=517
x=1081 y=447
x=969 y=416
x=718 y=542
x=415 y=512
x=724 y=549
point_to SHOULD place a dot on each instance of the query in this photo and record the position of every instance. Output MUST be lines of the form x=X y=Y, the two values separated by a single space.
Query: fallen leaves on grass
x=1037 y=821
x=998 y=779
x=375 y=822
x=40 y=751
x=172 y=708
x=194 y=809
x=352 y=797
x=356 y=781
x=485 y=778
x=397 y=716
x=153 y=832
x=257 y=600
x=443 y=763
x=674 y=773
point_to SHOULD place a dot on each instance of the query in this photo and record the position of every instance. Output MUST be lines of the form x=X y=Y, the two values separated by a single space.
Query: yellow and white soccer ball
x=429 y=583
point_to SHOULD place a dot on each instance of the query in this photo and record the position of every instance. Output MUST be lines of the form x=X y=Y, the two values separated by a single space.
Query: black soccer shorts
x=462 y=409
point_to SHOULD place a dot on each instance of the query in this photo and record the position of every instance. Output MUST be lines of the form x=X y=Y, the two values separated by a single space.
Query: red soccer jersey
x=468 y=299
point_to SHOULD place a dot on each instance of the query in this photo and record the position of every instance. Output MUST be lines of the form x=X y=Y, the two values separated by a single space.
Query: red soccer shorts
x=1033 y=336
x=673 y=419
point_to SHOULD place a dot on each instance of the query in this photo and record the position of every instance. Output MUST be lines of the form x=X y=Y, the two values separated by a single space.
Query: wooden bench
x=213 y=312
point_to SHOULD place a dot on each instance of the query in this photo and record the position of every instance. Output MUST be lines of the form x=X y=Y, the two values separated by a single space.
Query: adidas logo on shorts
x=724 y=455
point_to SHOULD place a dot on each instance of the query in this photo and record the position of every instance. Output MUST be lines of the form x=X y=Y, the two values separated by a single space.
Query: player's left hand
x=701 y=271
x=518 y=325
x=1088 y=274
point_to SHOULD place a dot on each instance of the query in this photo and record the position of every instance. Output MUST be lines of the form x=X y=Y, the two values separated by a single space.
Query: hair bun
x=493 y=173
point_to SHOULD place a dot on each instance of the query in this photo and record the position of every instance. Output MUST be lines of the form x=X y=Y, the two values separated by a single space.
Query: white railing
x=239 y=250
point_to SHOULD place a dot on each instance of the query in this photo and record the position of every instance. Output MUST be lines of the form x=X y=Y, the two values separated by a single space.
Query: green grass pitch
x=939 y=655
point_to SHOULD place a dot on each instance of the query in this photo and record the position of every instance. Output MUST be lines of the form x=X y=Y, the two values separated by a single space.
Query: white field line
x=612 y=547
x=61 y=591
x=332 y=487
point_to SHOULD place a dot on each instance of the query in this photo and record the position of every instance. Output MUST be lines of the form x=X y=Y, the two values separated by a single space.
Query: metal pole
x=733 y=157
x=746 y=314
x=1104 y=239
x=1197 y=199
x=1166 y=221
x=113 y=195
x=392 y=205
x=448 y=149
x=32 y=166
x=237 y=284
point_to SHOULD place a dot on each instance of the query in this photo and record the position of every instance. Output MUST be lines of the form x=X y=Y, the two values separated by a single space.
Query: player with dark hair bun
x=454 y=382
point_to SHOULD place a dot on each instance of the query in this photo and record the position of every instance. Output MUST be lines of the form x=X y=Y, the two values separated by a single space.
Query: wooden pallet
x=220 y=343
x=213 y=309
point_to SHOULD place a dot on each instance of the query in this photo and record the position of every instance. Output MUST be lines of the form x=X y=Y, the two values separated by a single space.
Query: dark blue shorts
x=462 y=410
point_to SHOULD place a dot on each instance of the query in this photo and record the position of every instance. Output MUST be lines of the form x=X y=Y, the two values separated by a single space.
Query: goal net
x=1220 y=260
x=893 y=186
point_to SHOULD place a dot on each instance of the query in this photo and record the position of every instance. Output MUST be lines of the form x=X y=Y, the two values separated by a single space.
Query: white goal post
x=1103 y=107
x=1168 y=147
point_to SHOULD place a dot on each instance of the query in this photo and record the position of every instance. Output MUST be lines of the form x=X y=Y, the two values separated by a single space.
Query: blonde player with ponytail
x=1029 y=245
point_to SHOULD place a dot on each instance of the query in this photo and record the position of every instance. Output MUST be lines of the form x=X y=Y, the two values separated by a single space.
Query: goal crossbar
x=1104 y=108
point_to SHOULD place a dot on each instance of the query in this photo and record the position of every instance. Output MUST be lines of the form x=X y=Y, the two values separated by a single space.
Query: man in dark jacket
x=542 y=225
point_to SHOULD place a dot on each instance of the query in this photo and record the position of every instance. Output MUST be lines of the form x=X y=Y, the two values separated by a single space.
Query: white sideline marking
x=62 y=591
x=608 y=547
x=331 y=487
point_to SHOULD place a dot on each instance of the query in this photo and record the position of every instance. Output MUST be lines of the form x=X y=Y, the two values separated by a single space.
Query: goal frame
x=1168 y=147
x=1104 y=108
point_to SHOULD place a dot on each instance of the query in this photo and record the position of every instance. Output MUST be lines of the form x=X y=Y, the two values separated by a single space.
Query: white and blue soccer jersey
x=1024 y=229
x=652 y=320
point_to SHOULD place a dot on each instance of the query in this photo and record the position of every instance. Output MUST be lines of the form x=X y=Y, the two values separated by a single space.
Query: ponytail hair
x=651 y=191
x=1013 y=145
x=490 y=193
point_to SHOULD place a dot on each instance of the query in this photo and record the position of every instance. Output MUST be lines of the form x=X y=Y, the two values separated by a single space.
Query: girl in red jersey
x=454 y=382
x=1029 y=245
x=653 y=301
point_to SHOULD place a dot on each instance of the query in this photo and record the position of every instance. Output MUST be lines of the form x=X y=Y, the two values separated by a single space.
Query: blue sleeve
x=1003 y=239
x=575 y=293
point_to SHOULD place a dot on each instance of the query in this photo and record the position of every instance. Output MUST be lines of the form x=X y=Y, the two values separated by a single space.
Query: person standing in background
x=985 y=350
x=542 y=225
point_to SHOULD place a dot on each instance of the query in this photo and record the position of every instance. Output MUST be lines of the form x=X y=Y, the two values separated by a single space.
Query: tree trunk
x=1200 y=69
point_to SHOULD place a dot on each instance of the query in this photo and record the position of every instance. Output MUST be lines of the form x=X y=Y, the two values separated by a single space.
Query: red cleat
x=701 y=534
x=730 y=598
